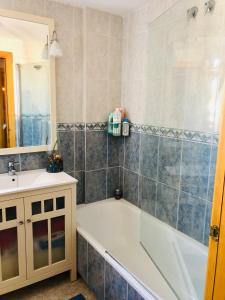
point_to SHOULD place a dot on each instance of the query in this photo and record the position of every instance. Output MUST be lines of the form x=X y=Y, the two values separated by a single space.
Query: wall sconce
x=53 y=48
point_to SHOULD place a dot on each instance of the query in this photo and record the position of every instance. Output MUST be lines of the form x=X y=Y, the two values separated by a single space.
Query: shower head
x=210 y=6
x=192 y=12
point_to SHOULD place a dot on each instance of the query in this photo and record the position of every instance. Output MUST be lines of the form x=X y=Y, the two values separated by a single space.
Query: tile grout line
x=179 y=193
x=208 y=185
x=157 y=176
x=139 y=166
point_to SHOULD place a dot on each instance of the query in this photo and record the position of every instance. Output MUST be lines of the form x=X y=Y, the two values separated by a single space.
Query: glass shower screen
x=185 y=74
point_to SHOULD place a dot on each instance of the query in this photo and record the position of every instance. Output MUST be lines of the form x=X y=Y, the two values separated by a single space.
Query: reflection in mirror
x=24 y=84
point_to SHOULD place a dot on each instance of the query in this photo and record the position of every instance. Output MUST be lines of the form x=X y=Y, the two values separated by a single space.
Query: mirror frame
x=50 y=23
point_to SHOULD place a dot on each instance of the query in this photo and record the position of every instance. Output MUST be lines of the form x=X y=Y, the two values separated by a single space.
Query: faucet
x=11 y=168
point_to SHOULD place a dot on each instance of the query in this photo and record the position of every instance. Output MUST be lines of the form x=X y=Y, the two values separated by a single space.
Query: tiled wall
x=102 y=64
x=170 y=174
x=92 y=157
x=24 y=162
x=166 y=82
x=100 y=276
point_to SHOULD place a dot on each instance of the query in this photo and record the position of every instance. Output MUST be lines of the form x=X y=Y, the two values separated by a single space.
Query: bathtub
x=114 y=230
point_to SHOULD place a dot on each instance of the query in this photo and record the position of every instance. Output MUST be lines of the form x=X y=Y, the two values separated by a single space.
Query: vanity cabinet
x=37 y=236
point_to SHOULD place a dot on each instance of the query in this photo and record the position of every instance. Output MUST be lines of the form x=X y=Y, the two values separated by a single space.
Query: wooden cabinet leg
x=73 y=274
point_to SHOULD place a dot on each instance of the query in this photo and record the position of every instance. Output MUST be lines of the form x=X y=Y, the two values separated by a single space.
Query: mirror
x=26 y=84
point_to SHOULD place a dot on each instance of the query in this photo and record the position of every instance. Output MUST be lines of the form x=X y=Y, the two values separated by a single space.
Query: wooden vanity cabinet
x=37 y=236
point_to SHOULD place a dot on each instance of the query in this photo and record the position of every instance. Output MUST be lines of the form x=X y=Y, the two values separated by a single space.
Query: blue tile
x=169 y=161
x=121 y=178
x=167 y=204
x=5 y=159
x=27 y=132
x=131 y=187
x=191 y=216
x=96 y=150
x=147 y=195
x=80 y=176
x=212 y=172
x=79 y=150
x=37 y=131
x=149 y=155
x=133 y=295
x=95 y=186
x=207 y=223
x=66 y=148
x=115 y=151
x=96 y=265
x=82 y=257
x=132 y=145
x=113 y=181
x=33 y=161
x=195 y=169
x=115 y=285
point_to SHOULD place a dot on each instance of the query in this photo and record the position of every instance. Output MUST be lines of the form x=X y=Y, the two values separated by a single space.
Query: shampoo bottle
x=117 y=122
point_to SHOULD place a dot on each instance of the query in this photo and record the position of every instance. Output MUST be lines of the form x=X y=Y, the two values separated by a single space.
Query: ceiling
x=118 y=7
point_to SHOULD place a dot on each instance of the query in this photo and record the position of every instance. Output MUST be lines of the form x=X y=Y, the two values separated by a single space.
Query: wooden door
x=215 y=281
x=48 y=233
x=9 y=99
x=12 y=243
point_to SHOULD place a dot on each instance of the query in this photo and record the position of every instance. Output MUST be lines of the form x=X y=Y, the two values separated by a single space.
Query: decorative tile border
x=70 y=126
x=96 y=126
x=79 y=126
x=188 y=135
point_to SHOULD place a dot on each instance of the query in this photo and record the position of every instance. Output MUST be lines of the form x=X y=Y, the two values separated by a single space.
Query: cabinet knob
x=28 y=220
x=21 y=222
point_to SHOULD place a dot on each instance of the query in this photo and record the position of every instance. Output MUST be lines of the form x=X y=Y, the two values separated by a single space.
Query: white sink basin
x=30 y=180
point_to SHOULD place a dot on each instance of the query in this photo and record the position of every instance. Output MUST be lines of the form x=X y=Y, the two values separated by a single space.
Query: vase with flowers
x=55 y=161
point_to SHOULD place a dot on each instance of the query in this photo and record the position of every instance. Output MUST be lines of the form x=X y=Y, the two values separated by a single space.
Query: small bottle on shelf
x=126 y=127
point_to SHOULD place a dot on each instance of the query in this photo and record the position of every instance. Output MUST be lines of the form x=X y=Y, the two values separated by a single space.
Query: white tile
x=97 y=106
x=36 y=7
x=114 y=95
x=6 y=4
x=115 y=59
x=116 y=26
x=97 y=56
x=97 y=21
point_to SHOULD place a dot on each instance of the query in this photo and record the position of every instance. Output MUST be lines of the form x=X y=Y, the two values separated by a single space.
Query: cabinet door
x=12 y=243
x=48 y=232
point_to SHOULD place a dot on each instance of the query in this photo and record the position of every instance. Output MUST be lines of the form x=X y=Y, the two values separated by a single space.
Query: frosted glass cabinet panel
x=12 y=235
x=48 y=244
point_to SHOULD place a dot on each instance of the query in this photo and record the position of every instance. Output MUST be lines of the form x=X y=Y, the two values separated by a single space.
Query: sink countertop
x=32 y=180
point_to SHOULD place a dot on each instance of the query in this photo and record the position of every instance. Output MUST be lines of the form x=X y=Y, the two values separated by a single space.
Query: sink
x=8 y=182
x=30 y=180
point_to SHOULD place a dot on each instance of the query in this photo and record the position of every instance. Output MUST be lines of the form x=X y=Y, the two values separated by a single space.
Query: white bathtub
x=112 y=227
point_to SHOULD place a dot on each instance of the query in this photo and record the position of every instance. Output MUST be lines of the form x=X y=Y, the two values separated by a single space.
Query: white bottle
x=117 y=122
x=125 y=129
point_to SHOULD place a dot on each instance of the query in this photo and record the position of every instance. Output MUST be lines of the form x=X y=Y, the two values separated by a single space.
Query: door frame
x=10 y=107
x=218 y=209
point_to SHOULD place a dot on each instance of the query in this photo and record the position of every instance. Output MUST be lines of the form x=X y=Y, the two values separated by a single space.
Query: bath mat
x=78 y=297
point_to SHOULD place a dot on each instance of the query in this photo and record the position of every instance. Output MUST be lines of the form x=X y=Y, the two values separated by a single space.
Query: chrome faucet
x=11 y=168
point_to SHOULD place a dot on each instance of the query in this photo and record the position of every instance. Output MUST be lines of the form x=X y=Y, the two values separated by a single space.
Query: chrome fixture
x=52 y=48
x=192 y=12
x=210 y=6
x=11 y=168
